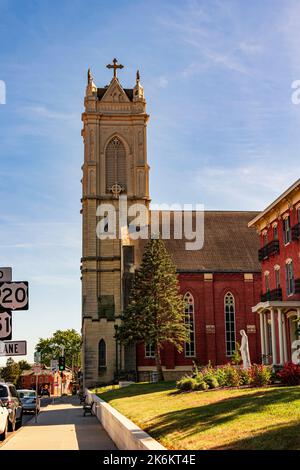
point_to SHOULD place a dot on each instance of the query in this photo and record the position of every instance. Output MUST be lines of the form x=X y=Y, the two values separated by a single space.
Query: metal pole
x=36 y=398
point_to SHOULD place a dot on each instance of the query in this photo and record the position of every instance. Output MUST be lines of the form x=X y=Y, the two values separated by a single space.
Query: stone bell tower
x=115 y=163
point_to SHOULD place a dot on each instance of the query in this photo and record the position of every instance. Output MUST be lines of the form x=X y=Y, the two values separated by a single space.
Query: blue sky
x=223 y=130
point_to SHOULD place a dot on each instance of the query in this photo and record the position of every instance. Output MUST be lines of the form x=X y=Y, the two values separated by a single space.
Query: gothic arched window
x=115 y=162
x=102 y=353
x=189 y=318
x=229 y=307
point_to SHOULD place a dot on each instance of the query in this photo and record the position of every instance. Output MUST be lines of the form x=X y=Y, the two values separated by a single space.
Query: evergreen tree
x=155 y=313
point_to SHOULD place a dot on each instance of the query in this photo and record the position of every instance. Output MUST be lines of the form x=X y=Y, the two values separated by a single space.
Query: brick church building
x=220 y=282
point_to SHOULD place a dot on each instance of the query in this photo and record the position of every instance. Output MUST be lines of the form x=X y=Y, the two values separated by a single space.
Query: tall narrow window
x=267 y=282
x=290 y=281
x=277 y=278
x=149 y=350
x=102 y=353
x=275 y=232
x=287 y=230
x=229 y=306
x=189 y=318
x=115 y=161
x=265 y=239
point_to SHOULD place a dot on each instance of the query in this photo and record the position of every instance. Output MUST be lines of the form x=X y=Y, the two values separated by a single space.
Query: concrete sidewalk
x=61 y=426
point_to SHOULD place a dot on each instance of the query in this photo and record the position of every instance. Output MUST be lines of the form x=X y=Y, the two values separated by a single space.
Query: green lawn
x=255 y=418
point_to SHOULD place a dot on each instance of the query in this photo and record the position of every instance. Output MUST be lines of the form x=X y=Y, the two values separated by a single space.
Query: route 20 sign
x=5 y=325
x=14 y=295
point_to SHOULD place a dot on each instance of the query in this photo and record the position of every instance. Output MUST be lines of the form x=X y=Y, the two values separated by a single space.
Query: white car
x=3 y=421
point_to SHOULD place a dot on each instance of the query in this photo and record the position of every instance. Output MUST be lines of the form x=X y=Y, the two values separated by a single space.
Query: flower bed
x=227 y=376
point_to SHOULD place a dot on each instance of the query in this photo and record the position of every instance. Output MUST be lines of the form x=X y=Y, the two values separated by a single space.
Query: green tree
x=50 y=348
x=155 y=314
x=11 y=372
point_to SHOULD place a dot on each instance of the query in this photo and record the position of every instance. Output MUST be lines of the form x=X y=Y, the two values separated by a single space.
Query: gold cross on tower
x=115 y=66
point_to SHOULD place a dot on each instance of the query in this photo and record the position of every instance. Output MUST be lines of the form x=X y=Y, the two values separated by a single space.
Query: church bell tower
x=115 y=163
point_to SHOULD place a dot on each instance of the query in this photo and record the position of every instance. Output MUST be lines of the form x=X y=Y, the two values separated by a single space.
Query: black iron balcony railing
x=275 y=294
x=297 y=286
x=296 y=232
x=268 y=250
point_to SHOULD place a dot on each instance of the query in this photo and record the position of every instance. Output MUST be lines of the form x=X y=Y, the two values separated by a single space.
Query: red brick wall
x=292 y=250
x=209 y=310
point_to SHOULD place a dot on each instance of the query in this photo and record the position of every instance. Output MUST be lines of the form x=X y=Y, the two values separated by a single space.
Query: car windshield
x=3 y=391
x=26 y=394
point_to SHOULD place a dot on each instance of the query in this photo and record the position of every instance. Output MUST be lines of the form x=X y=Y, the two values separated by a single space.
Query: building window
x=267 y=282
x=102 y=354
x=265 y=239
x=149 y=350
x=115 y=162
x=290 y=282
x=298 y=215
x=189 y=318
x=277 y=278
x=287 y=230
x=229 y=306
x=275 y=232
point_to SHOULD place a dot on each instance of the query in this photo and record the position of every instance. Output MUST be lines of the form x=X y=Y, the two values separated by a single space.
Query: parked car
x=9 y=397
x=3 y=421
x=30 y=401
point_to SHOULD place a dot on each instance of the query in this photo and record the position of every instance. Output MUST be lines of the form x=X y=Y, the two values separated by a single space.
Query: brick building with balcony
x=279 y=308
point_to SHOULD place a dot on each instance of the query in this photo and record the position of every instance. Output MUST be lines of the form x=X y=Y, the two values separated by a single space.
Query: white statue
x=245 y=350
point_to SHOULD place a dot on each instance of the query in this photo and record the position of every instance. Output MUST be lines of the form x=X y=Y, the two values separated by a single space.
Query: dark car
x=10 y=399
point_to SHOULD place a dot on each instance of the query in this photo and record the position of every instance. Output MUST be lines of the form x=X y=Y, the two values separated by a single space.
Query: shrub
x=245 y=376
x=185 y=384
x=290 y=374
x=211 y=381
x=200 y=385
x=232 y=378
x=220 y=374
x=236 y=357
x=261 y=375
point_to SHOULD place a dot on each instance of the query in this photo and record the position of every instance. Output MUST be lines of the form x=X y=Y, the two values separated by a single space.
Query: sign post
x=54 y=369
x=37 y=370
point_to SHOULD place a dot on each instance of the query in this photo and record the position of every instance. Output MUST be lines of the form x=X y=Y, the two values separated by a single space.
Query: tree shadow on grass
x=196 y=420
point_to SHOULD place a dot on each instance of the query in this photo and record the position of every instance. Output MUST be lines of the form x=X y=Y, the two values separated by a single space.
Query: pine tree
x=155 y=313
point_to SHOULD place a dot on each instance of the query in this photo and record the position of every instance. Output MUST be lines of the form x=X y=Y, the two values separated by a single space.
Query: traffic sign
x=54 y=365
x=14 y=295
x=36 y=369
x=13 y=348
x=5 y=274
x=37 y=357
x=5 y=325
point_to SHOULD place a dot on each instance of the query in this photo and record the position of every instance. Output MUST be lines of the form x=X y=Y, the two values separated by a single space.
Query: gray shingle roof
x=229 y=245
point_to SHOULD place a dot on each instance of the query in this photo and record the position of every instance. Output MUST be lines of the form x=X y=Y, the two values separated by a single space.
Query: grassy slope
x=265 y=418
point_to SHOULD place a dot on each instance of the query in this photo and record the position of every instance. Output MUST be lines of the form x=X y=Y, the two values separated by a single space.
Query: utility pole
x=61 y=368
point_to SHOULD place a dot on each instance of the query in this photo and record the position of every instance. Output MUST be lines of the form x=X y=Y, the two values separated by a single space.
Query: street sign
x=13 y=348
x=5 y=274
x=54 y=365
x=14 y=295
x=36 y=369
x=5 y=325
x=37 y=357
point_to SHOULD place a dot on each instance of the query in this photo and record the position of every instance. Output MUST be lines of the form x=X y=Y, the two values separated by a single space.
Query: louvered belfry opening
x=115 y=164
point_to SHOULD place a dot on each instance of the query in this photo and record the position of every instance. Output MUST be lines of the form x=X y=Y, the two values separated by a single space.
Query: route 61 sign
x=5 y=325
x=14 y=295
